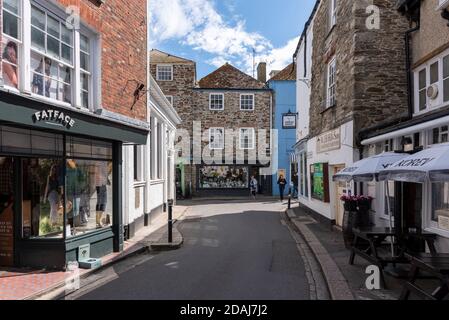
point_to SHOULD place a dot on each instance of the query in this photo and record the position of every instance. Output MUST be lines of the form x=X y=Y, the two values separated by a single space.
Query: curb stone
x=336 y=282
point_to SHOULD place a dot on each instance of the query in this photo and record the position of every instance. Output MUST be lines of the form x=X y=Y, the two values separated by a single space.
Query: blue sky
x=213 y=32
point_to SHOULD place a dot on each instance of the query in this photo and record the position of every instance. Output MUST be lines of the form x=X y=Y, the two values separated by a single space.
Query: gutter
x=409 y=68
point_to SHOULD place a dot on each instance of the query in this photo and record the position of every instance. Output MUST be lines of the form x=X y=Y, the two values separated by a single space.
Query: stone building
x=426 y=121
x=357 y=79
x=72 y=100
x=176 y=77
x=234 y=114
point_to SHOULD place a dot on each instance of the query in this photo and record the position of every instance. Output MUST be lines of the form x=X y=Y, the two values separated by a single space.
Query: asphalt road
x=231 y=251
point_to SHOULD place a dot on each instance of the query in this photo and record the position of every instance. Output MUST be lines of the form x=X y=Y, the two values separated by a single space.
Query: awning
x=431 y=164
x=408 y=130
x=15 y=109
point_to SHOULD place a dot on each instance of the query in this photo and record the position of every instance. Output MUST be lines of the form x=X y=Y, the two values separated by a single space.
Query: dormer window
x=164 y=73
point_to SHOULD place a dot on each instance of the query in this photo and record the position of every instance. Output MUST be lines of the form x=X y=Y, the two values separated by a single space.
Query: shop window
x=25 y=141
x=11 y=42
x=42 y=198
x=246 y=138
x=216 y=101
x=224 y=177
x=216 y=138
x=319 y=178
x=164 y=73
x=389 y=198
x=89 y=196
x=87 y=148
x=247 y=102
x=138 y=163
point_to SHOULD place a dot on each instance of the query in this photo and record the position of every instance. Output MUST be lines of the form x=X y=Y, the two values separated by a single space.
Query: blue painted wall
x=284 y=100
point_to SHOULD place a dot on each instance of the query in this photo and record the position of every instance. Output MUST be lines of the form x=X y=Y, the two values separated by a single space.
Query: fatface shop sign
x=54 y=117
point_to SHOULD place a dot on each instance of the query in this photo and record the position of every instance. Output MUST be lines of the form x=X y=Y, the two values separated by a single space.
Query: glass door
x=6 y=212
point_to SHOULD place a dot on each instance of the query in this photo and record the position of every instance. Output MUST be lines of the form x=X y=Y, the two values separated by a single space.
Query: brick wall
x=371 y=77
x=122 y=28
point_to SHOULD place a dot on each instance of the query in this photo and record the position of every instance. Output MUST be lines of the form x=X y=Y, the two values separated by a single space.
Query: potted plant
x=363 y=212
x=350 y=203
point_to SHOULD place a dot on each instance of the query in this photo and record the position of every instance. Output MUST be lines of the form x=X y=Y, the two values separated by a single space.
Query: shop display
x=224 y=177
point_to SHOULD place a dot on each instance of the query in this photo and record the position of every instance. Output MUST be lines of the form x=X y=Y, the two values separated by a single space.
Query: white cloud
x=197 y=23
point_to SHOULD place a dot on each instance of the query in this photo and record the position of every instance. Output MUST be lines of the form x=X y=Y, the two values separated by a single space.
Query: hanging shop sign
x=289 y=120
x=55 y=117
x=329 y=141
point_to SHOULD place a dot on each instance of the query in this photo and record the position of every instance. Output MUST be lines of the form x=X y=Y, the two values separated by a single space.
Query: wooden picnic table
x=437 y=265
x=368 y=242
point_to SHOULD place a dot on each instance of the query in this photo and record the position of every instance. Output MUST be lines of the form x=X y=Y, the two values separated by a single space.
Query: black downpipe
x=409 y=69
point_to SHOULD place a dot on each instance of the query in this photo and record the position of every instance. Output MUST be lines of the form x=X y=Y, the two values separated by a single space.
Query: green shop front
x=60 y=185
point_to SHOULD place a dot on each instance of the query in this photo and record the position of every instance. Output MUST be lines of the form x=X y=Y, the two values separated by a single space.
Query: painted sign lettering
x=54 y=116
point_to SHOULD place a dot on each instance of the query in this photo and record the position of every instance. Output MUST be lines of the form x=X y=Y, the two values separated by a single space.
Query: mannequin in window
x=53 y=195
x=9 y=70
x=74 y=190
x=39 y=80
x=102 y=181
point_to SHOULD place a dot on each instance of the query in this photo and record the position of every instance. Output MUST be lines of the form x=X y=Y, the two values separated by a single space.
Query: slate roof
x=157 y=56
x=288 y=73
x=229 y=77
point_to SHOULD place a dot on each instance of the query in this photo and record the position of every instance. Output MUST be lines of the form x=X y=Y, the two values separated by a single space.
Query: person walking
x=254 y=187
x=295 y=185
x=282 y=183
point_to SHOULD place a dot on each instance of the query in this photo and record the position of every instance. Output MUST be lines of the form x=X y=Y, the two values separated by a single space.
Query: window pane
x=10 y=70
x=89 y=195
x=38 y=18
x=422 y=79
x=85 y=81
x=37 y=39
x=53 y=27
x=84 y=43
x=84 y=61
x=10 y=25
x=446 y=90
x=66 y=53
x=422 y=100
x=53 y=46
x=434 y=73
x=66 y=35
x=43 y=205
x=85 y=99
x=11 y=5
x=446 y=67
x=440 y=200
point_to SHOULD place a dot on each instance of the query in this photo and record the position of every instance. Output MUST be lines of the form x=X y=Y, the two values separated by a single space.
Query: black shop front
x=60 y=185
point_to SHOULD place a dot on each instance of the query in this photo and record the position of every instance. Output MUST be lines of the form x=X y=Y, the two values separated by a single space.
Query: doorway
x=340 y=190
x=6 y=212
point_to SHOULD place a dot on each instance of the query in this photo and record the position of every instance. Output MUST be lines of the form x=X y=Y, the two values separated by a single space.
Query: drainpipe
x=409 y=68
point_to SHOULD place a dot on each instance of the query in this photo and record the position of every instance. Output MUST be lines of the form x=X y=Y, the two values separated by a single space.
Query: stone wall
x=371 y=82
x=432 y=38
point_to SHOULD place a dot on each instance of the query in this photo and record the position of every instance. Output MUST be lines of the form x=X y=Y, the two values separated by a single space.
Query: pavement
x=232 y=250
x=30 y=284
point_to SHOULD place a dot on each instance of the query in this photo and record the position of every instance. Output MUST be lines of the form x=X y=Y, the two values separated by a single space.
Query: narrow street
x=232 y=250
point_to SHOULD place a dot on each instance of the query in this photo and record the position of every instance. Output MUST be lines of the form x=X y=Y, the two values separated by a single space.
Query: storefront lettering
x=329 y=141
x=415 y=162
x=54 y=116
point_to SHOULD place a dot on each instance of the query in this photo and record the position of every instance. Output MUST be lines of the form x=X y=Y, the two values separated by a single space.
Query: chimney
x=262 y=72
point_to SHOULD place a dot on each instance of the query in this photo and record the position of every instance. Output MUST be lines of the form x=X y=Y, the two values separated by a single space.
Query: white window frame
x=439 y=101
x=253 y=135
x=170 y=99
x=331 y=92
x=25 y=77
x=247 y=95
x=158 y=78
x=213 y=144
x=222 y=100
x=333 y=13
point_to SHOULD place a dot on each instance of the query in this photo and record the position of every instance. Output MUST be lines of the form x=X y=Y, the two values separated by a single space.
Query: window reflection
x=42 y=206
x=89 y=195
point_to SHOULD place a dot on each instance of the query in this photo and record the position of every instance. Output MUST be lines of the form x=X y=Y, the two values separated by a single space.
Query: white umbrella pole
x=387 y=187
